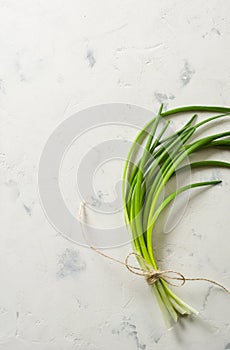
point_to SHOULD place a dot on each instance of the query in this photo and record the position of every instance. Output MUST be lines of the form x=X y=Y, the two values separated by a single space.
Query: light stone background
x=59 y=56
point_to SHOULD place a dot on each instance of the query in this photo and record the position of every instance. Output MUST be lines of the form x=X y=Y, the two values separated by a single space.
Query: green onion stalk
x=145 y=178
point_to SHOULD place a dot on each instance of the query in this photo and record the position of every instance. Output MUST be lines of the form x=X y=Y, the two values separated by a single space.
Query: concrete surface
x=59 y=57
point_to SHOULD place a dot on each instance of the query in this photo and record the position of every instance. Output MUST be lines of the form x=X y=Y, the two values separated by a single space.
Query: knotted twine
x=148 y=272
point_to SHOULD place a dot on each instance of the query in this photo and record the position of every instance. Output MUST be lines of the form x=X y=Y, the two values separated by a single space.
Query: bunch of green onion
x=146 y=176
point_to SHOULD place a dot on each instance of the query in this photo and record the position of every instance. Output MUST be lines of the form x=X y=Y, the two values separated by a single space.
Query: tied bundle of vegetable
x=144 y=182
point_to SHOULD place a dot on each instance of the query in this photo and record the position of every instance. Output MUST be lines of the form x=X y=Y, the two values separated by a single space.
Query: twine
x=148 y=272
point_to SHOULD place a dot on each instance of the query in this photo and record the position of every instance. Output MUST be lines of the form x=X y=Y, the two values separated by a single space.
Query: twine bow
x=151 y=275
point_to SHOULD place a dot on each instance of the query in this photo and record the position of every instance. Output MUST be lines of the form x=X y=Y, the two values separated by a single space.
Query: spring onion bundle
x=146 y=176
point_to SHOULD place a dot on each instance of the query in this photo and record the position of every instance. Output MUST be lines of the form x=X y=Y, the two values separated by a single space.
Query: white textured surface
x=57 y=56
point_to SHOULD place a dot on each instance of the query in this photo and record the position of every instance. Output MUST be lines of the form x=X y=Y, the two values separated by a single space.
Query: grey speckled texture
x=91 y=59
x=70 y=263
x=186 y=73
x=58 y=58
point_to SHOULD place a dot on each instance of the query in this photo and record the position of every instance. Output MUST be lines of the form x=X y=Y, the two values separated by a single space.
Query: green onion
x=145 y=178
